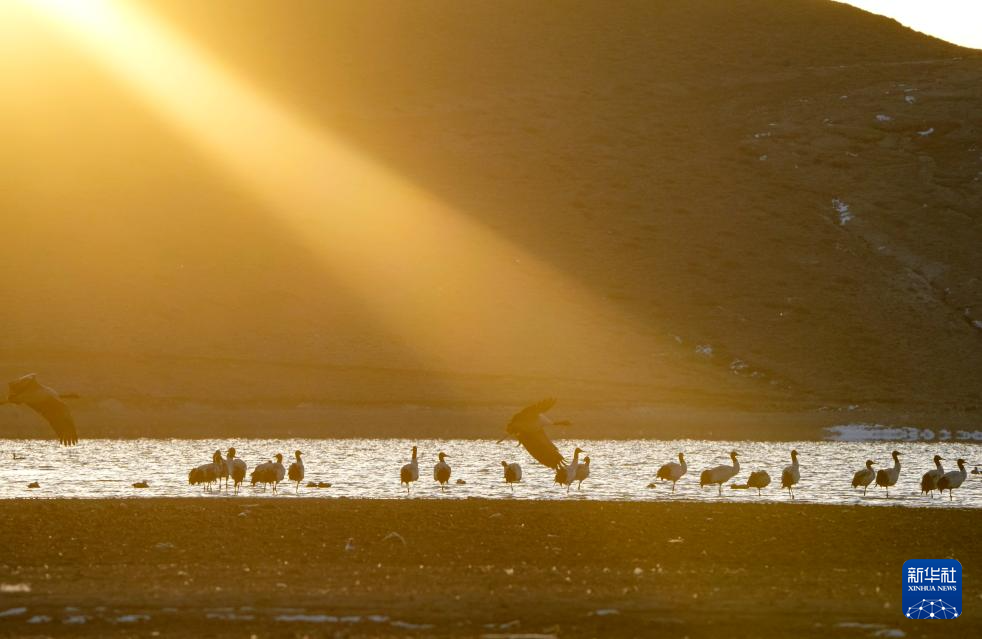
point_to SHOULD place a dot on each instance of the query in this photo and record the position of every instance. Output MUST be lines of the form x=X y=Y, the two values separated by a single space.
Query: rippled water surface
x=369 y=468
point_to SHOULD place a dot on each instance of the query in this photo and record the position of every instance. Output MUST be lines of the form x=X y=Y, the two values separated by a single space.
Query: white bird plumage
x=759 y=479
x=582 y=472
x=223 y=469
x=206 y=474
x=791 y=475
x=887 y=477
x=865 y=476
x=513 y=473
x=271 y=472
x=672 y=471
x=719 y=475
x=237 y=469
x=566 y=475
x=952 y=479
x=409 y=472
x=279 y=472
x=929 y=481
x=262 y=474
x=296 y=470
x=441 y=471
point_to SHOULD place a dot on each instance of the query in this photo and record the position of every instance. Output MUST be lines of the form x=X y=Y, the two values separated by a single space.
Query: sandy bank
x=239 y=566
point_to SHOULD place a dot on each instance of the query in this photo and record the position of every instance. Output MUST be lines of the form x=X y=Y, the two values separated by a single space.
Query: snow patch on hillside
x=878 y=432
x=845 y=214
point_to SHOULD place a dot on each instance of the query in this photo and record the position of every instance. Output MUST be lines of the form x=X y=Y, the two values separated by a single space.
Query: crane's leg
x=673 y=486
x=719 y=487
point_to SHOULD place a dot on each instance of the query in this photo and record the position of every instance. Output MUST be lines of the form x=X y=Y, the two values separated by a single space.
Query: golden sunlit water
x=369 y=469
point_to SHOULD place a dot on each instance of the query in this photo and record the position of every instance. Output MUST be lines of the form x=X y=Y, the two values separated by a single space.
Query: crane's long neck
x=576 y=456
x=736 y=464
x=682 y=463
x=896 y=463
x=940 y=467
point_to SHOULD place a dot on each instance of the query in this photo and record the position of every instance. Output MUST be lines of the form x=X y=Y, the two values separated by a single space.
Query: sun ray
x=441 y=282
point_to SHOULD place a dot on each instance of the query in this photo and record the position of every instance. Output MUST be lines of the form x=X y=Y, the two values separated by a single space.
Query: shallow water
x=369 y=468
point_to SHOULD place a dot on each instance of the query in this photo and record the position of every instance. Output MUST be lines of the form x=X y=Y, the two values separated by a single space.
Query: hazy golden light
x=429 y=274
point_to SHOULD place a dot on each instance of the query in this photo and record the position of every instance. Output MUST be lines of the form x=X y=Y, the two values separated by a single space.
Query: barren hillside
x=767 y=215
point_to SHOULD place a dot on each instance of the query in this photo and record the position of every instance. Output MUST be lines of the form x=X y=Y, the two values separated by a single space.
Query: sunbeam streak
x=444 y=284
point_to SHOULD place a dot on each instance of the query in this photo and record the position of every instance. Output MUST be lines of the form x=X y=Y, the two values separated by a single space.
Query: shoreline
x=844 y=432
x=110 y=418
x=175 y=566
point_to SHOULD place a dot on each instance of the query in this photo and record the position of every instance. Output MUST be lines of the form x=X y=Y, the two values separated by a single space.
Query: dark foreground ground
x=477 y=568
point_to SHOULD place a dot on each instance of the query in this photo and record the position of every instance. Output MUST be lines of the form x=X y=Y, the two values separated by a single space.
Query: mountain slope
x=773 y=208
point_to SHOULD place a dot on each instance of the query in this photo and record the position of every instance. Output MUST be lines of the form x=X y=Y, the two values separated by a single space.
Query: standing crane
x=237 y=469
x=759 y=479
x=441 y=472
x=887 y=477
x=263 y=474
x=791 y=475
x=673 y=472
x=513 y=473
x=206 y=473
x=278 y=472
x=719 y=475
x=582 y=472
x=865 y=476
x=223 y=470
x=409 y=472
x=929 y=482
x=566 y=475
x=296 y=470
x=952 y=479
